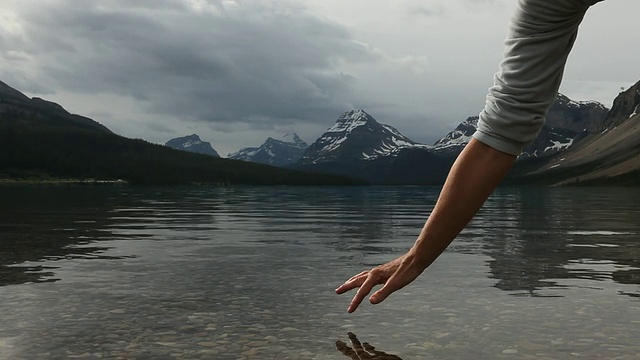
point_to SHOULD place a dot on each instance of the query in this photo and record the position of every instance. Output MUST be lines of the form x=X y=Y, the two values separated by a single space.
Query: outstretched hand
x=393 y=275
x=362 y=351
x=477 y=171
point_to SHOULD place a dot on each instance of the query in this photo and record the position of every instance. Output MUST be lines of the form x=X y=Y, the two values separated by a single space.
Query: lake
x=250 y=272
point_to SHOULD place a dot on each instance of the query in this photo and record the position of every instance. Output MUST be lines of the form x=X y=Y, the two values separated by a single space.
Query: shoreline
x=62 y=182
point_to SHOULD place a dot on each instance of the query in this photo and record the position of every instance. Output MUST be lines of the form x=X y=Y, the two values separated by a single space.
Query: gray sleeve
x=541 y=35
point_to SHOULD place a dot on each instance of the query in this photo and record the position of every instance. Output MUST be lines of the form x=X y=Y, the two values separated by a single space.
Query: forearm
x=473 y=177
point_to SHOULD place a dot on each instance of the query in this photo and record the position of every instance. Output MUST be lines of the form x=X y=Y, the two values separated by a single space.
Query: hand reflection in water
x=362 y=351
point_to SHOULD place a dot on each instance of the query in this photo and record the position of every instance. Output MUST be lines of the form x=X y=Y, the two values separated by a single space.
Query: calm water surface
x=249 y=273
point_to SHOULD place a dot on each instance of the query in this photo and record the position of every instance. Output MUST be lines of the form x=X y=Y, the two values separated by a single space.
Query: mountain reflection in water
x=534 y=238
x=214 y=272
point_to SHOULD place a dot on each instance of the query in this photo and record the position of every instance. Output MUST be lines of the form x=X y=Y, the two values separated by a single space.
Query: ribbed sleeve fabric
x=540 y=37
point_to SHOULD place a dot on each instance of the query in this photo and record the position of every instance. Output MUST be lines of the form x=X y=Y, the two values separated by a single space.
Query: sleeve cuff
x=499 y=143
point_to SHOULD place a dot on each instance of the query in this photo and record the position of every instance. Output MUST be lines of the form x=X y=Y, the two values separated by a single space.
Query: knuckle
x=375 y=272
x=358 y=276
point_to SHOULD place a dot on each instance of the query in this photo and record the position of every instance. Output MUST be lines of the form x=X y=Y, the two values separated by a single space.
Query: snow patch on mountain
x=459 y=137
x=349 y=121
x=356 y=135
x=558 y=146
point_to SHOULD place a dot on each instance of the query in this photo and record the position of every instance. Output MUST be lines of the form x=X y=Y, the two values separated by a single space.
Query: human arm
x=473 y=177
x=540 y=39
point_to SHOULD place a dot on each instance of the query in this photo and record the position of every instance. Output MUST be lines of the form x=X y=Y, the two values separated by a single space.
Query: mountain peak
x=352 y=119
x=565 y=101
x=192 y=137
x=281 y=151
x=292 y=138
x=192 y=143
x=356 y=136
x=459 y=137
x=576 y=116
x=624 y=107
x=356 y=115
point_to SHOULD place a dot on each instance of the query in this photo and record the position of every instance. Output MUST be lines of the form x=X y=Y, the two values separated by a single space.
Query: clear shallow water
x=249 y=273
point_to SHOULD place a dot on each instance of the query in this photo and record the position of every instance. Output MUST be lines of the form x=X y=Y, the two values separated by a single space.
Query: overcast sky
x=236 y=72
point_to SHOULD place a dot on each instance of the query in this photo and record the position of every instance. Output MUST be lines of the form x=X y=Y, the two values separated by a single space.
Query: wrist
x=426 y=250
x=419 y=256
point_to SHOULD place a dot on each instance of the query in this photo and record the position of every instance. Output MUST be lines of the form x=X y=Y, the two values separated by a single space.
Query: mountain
x=39 y=140
x=625 y=106
x=193 y=144
x=567 y=122
x=278 y=152
x=359 y=146
x=609 y=156
x=356 y=136
x=38 y=112
x=576 y=116
x=456 y=140
x=8 y=93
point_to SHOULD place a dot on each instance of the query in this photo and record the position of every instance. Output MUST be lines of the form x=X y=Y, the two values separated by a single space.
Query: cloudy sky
x=236 y=72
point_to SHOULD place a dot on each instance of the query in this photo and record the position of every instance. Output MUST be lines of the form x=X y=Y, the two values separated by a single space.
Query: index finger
x=364 y=290
x=353 y=282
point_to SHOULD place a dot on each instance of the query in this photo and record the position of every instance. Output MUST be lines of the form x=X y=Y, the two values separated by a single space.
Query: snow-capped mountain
x=192 y=143
x=459 y=137
x=278 y=152
x=568 y=121
x=611 y=155
x=356 y=135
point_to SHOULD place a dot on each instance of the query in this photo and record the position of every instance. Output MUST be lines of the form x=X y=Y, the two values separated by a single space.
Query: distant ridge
x=282 y=151
x=36 y=111
x=39 y=140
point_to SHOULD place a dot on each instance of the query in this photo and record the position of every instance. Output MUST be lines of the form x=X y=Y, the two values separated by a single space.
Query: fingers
x=353 y=282
x=357 y=346
x=354 y=341
x=358 y=275
x=346 y=350
x=370 y=348
x=380 y=295
x=403 y=276
x=394 y=275
x=366 y=287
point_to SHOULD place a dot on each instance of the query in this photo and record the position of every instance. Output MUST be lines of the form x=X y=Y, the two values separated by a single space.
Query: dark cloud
x=222 y=61
x=243 y=70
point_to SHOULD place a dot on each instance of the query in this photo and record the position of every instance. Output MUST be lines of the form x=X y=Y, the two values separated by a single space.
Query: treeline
x=32 y=148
